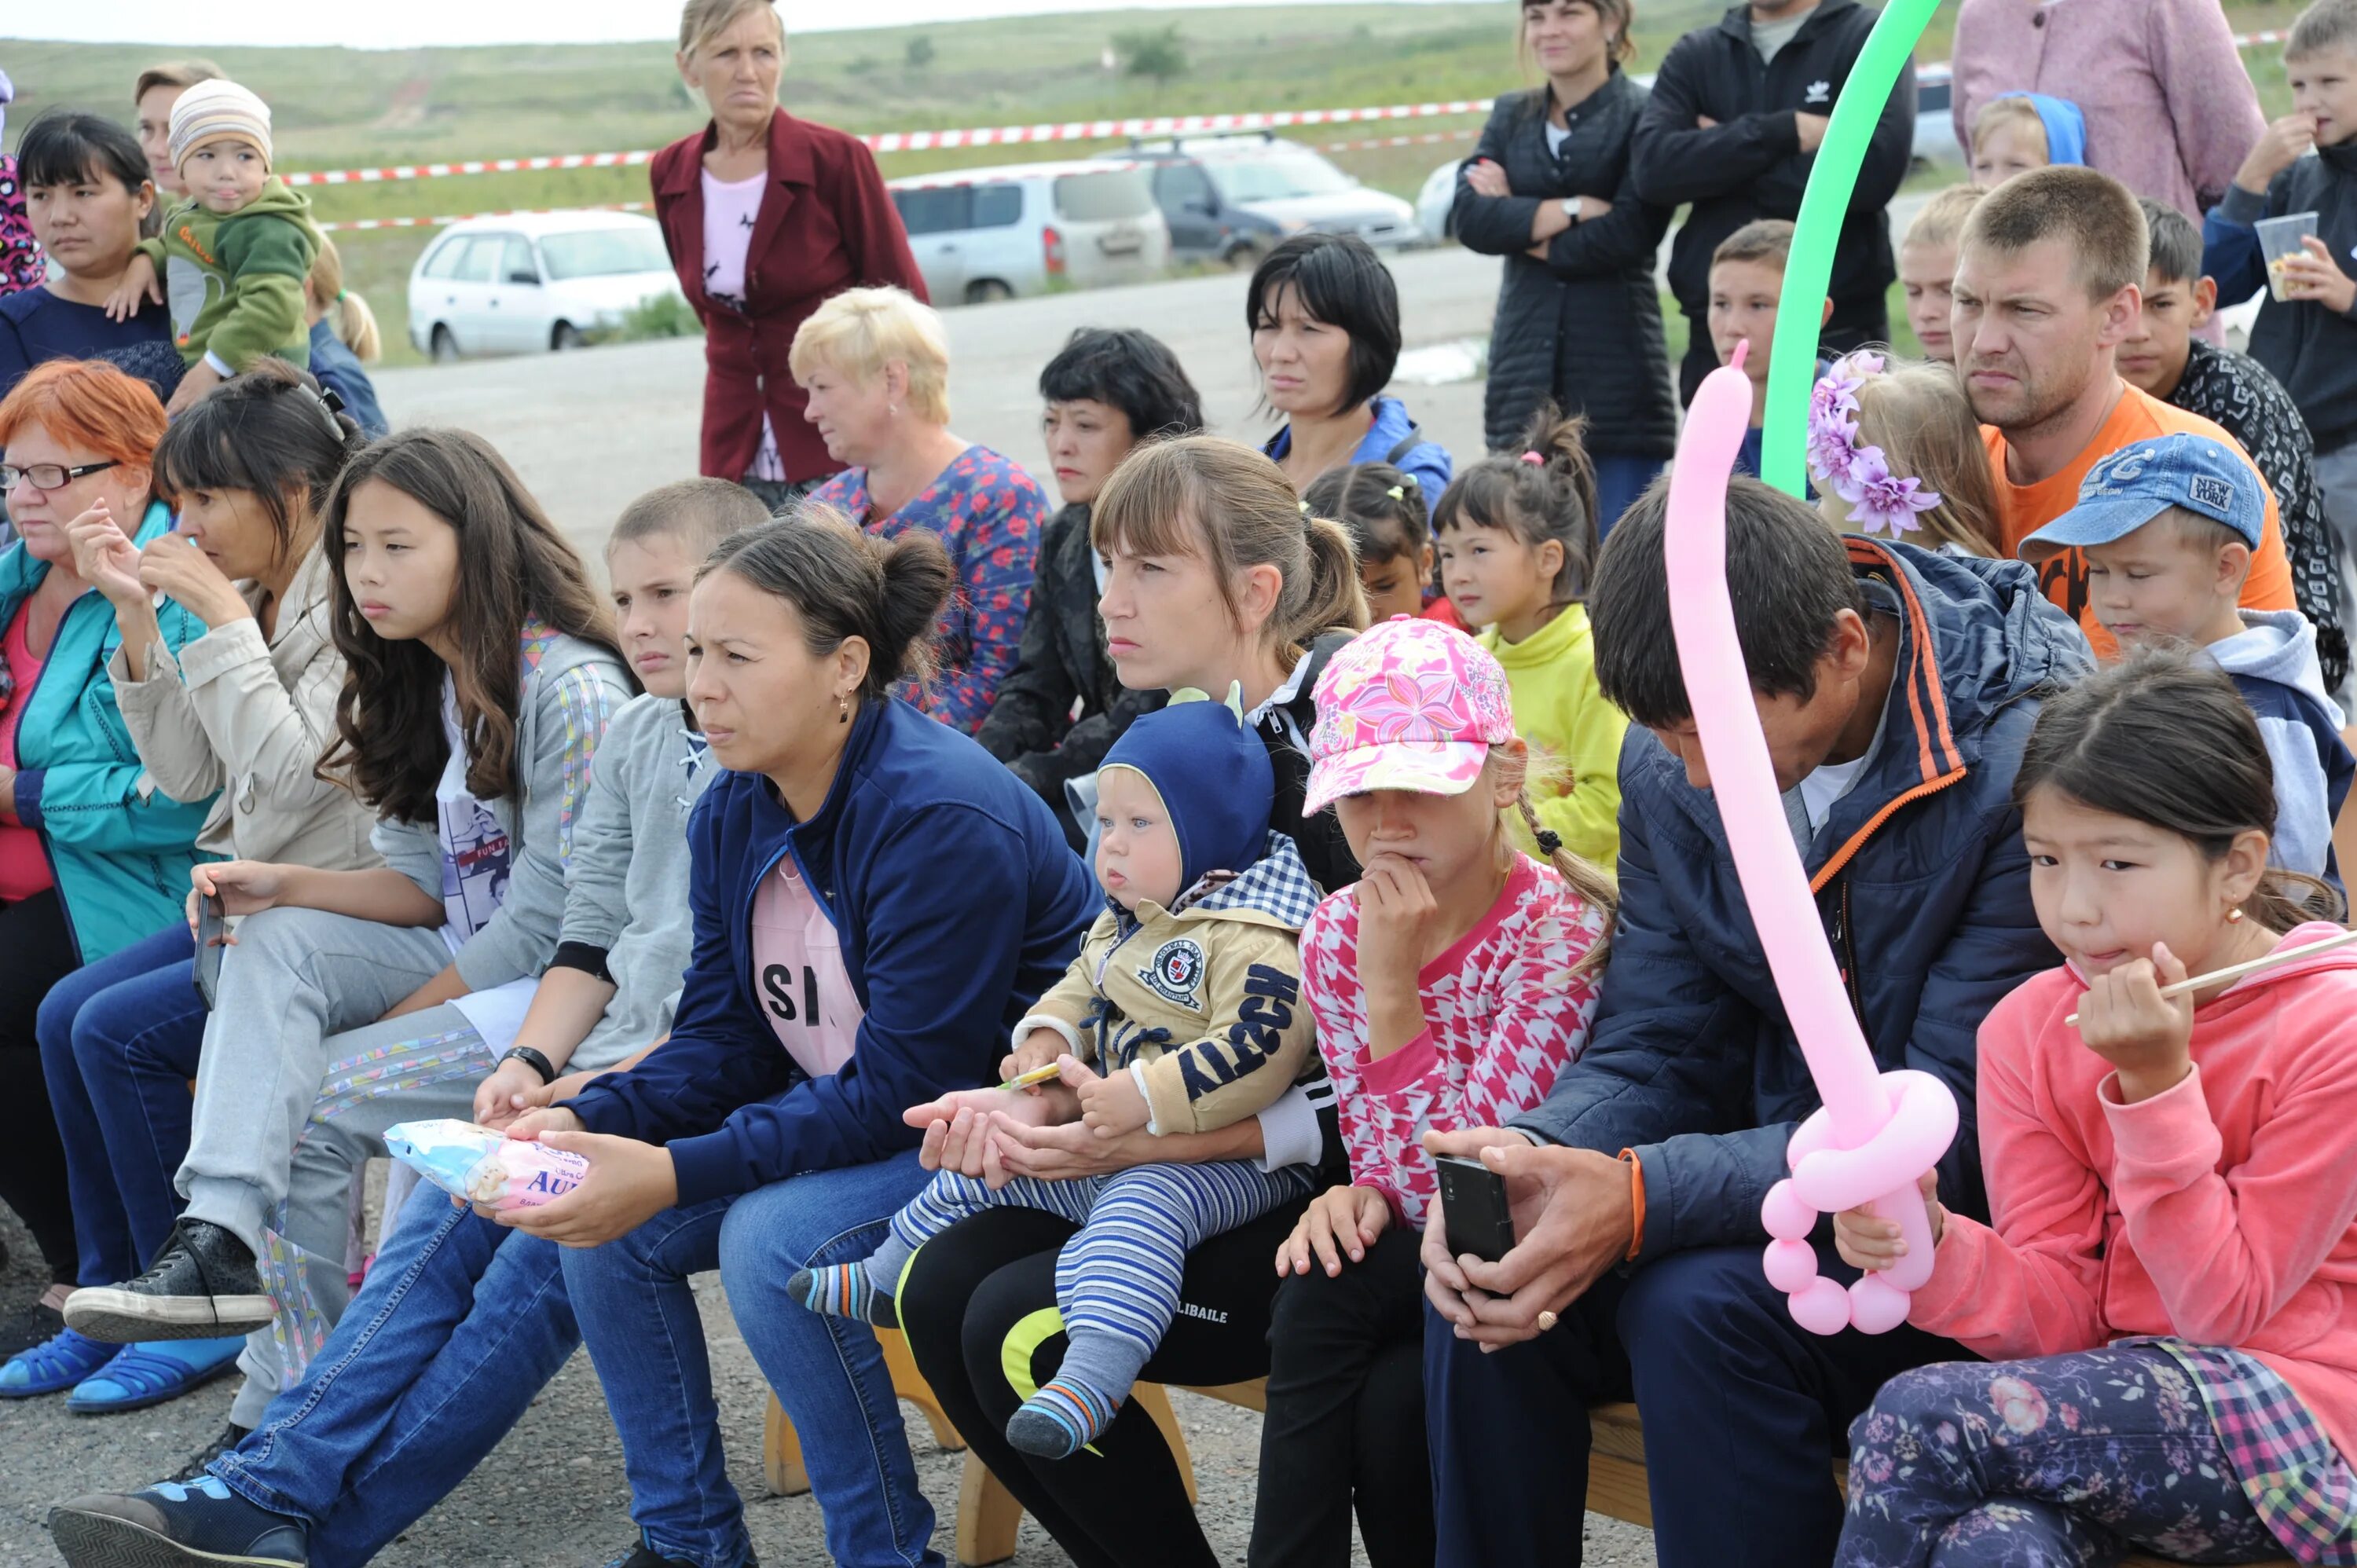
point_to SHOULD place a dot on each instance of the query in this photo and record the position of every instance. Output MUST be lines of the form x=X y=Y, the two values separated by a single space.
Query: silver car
x=993 y=233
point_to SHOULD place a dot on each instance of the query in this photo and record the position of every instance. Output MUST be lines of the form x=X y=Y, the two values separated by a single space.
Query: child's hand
x=1396 y=908
x=1112 y=1105
x=139 y=286
x=2317 y=278
x=2279 y=147
x=2125 y=1020
x=1039 y=1049
x=1866 y=1240
x=1338 y=1220
x=195 y=382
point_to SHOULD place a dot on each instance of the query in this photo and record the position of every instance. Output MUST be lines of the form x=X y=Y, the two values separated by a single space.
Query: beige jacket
x=252 y=720
x=1202 y=1005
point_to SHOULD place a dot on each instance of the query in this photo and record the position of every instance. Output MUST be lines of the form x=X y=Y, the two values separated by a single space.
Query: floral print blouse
x=990 y=514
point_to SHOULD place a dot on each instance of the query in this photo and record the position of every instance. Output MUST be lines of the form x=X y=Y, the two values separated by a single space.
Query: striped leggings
x=1119 y=1276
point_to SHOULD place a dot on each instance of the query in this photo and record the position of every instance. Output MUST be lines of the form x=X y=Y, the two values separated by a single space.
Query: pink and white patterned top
x=1502 y=1014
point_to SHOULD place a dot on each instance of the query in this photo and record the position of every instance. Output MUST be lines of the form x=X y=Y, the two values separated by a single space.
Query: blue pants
x=1744 y=1411
x=1618 y=482
x=647 y=1340
x=119 y=1044
x=459 y=1325
x=2065 y=1460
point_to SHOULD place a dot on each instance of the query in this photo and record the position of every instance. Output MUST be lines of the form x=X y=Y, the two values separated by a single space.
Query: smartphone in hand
x=1473 y=1204
x=212 y=935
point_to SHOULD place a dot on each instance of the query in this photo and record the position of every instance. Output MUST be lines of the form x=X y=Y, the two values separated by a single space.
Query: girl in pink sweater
x=1449 y=985
x=2165 y=1290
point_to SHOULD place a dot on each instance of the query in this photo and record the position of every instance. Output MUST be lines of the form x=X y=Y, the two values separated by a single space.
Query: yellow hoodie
x=1552 y=677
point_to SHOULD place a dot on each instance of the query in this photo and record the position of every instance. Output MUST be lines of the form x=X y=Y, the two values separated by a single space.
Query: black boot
x=203 y=1285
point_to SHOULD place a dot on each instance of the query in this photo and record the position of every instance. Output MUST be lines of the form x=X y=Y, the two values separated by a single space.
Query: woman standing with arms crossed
x=764 y=217
x=1580 y=319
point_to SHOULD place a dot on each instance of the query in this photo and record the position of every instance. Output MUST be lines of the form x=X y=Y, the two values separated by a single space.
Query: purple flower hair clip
x=1881 y=502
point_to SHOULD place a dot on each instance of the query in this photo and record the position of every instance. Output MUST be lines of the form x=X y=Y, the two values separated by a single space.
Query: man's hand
x=1341 y=1219
x=2317 y=278
x=1811 y=129
x=2279 y=147
x=1444 y=1282
x=628 y=1184
x=1110 y=1106
x=1575 y=1217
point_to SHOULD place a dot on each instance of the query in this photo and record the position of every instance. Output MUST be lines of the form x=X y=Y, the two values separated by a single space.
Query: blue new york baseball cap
x=2129 y=487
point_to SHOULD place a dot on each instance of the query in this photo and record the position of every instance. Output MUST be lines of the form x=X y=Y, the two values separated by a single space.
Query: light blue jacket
x=119 y=848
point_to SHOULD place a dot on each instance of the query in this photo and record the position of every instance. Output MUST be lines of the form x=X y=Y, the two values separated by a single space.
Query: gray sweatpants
x=2336 y=481
x=296 y=1086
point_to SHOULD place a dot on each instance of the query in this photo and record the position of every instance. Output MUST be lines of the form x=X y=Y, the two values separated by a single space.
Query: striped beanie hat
x=214 y=109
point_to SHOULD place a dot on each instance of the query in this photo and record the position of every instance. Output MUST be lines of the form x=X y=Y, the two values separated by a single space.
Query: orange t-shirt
x=2023 y=510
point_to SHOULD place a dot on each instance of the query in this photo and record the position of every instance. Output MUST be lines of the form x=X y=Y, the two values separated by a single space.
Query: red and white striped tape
x=357 y=225
x=1002 y=135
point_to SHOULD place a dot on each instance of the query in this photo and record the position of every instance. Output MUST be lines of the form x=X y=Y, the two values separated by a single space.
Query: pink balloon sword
x=1878 y=1132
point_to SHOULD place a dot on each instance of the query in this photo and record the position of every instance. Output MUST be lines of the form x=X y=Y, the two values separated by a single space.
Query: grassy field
x=340 y=108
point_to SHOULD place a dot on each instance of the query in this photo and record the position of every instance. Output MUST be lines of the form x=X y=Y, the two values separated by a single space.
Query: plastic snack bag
x=484 y=1167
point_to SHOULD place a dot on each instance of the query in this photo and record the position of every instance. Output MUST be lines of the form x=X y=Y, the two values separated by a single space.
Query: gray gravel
x=552 y=1495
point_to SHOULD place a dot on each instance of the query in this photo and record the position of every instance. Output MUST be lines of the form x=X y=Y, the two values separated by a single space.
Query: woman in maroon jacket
x=764 y=217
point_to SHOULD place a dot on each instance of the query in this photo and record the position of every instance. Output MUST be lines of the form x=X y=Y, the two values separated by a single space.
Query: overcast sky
x=421 y=22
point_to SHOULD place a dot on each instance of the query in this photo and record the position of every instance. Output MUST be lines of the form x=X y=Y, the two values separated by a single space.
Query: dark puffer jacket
x=1920 y=880
x=1584 y=326
x=1062 y=662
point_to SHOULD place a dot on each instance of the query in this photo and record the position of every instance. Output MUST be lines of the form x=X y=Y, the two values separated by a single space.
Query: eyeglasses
x=50 y=475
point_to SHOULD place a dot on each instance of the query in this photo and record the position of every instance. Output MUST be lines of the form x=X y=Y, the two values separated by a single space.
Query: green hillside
x=339 y=108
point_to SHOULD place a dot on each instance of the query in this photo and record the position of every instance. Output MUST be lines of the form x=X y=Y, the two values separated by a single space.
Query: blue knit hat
x=1214 y=779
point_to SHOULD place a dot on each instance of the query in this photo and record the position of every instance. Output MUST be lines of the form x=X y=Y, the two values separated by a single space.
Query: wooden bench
x=988 y=1515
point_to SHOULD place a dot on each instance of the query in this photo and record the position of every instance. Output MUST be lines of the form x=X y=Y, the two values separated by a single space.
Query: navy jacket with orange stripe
x=1922 y=882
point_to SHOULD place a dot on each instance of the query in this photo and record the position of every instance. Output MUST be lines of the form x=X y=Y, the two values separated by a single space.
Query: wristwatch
x=1571 y=209
x=532 y=1060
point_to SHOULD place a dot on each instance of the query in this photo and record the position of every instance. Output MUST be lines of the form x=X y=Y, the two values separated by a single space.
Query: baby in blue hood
x=1182 y=1014
x=2023 y=131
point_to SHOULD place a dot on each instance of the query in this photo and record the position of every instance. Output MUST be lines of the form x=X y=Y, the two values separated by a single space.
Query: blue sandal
x=153 y=1373
x=53 y=1367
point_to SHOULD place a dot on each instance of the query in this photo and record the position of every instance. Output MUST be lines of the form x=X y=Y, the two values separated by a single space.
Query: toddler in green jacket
x=232 y=257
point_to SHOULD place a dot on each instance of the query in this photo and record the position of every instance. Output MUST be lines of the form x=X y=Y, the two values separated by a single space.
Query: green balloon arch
x=1809 y=272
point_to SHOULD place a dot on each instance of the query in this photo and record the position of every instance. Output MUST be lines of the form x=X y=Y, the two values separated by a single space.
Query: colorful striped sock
x=1064 y=1417
x=844 y=1290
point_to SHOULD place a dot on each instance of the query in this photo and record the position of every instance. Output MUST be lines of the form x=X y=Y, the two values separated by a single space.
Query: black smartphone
x=212 y=930
x=1474 y=1206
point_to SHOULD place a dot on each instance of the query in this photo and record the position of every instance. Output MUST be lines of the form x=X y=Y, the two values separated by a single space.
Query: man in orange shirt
x=2049 y=278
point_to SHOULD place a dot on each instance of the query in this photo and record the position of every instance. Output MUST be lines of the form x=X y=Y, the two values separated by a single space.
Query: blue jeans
x=644 y=1333
x=459 y=1325
x=1618 y=482
x=119 y=1043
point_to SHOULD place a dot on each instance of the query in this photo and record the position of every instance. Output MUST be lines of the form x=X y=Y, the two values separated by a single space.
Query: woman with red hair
x=92 y=858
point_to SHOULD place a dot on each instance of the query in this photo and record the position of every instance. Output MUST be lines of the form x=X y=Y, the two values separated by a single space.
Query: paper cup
x=2280 y=240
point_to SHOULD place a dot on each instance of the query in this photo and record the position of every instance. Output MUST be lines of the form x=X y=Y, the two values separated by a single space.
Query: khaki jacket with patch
x=1206 y=1000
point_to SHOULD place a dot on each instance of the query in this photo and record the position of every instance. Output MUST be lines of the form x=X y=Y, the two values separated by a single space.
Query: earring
x=843 y=716
x=2234 y=915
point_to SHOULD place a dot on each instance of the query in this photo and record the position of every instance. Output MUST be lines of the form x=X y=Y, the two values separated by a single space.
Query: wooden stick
x=2236 y=971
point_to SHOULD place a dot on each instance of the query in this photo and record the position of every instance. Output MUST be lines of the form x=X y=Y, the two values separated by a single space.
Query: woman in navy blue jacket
x=877 y=902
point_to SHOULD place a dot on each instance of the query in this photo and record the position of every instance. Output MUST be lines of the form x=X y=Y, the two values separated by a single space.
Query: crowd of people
x=1119 y=941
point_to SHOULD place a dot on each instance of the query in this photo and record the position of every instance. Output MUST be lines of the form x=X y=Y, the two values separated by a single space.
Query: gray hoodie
x=2274 y=664
x=626 y=909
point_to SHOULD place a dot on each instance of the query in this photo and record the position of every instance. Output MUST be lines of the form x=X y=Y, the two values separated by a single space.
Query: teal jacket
x=119 y=848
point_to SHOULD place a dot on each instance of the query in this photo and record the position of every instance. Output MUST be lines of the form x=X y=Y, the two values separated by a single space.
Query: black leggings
x=1346 y=1416
x=39 y=952
x=978 y=1286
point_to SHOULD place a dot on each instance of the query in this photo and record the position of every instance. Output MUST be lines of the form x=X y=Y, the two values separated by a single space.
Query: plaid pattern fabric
x=2298 y=1484
x=1278 y=884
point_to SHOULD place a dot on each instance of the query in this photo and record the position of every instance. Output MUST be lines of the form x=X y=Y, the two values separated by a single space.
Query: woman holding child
x=1549 y=188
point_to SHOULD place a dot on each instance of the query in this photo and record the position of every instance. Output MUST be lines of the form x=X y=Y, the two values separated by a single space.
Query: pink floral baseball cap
x=1409 y=705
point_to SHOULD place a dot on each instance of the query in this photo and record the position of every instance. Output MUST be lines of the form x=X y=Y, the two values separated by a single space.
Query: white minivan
x=531 y=282
x=992 y=233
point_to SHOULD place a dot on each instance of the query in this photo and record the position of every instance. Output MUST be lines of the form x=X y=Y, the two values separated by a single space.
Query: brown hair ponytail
x=1594 y=885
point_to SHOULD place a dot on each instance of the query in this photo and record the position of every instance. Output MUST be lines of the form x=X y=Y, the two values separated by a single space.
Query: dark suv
x=1231 y=197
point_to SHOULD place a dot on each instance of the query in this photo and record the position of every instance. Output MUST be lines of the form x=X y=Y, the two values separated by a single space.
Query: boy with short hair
x=2309 y=341
x=1747 y=280
x=2166 y=358
x=2169 y=526
x=1927 y=267
x=232 y=257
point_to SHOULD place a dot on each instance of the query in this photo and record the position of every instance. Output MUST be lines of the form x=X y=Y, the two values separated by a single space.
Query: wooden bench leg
x=910 y=1385
x=782 y=1453
x=987 y=1516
